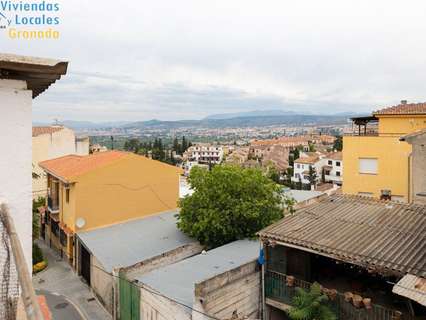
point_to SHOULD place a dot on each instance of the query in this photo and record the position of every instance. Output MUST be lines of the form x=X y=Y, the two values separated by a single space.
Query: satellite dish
x=80 y=222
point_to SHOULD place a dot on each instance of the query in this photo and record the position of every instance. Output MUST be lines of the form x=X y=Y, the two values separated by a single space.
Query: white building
x=302 y=166
x=330 y=163
x=51 y=142
x=333 y=168
x=205 y=154
x=21 y=80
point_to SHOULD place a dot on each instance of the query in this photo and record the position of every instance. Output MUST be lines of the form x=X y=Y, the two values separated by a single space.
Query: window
x=338 y=173
x=338 y=163
x=298 y=166
x=327 y=172
x=330 y=162
x=67 y=195
x=368 y=165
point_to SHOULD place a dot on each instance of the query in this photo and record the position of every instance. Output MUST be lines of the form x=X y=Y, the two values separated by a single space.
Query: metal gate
x=129 y=299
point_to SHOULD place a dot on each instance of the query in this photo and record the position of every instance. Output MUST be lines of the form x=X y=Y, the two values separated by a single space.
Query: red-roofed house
x=105 y=188
x=377 y=163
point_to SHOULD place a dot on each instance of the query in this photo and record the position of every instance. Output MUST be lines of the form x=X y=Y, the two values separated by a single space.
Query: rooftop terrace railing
x=15 y=279
x=276 y=288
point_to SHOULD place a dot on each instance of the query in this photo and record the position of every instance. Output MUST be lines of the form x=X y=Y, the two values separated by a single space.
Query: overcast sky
x=139 y=60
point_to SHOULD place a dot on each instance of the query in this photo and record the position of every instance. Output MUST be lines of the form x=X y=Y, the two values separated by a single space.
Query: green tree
x=310 y=305
x=338 y=144
x=132 y=145
x=312 y=177
x=36 y=216
x=229 y=203
x=184 y=145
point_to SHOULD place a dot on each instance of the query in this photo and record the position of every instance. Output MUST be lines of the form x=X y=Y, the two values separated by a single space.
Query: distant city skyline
x=169 y=61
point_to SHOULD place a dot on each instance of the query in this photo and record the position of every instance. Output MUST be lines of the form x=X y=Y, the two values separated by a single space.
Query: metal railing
x=277 y=289
x=53 y=203
x=15 y=279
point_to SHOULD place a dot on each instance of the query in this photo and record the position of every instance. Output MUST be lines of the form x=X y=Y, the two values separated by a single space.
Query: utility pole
x=112 y=143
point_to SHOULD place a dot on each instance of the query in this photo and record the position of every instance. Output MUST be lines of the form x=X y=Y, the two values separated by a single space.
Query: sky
x=169 y=60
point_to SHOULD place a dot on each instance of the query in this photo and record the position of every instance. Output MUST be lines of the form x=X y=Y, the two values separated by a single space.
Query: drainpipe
x=263 y=311
x=410 y=177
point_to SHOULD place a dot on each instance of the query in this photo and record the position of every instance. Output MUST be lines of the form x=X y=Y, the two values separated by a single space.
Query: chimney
x=403 y=101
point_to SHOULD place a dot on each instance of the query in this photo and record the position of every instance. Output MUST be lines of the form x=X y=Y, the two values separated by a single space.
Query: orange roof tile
x=403 y=108
x=37 y=131
x=307 y=160
x=335 y=155
x=71 y=166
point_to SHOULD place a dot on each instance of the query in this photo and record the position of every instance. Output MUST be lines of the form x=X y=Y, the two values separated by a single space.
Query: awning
x=411 y=287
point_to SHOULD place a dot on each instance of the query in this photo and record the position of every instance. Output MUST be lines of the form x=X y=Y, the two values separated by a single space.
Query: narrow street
x=67 y=296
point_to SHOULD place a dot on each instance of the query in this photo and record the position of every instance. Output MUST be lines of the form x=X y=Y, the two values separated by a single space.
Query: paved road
x=60 y=278
x=60 y=307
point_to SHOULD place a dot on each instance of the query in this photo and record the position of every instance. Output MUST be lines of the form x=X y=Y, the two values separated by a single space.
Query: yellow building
x=377 y=162
x=87 y=192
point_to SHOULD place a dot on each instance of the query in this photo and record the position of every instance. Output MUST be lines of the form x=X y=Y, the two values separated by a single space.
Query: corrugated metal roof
x=411 y=287
x=126 y=244
x=387 y=237
x=177 y=281
x=39 y=73
x=303 y=195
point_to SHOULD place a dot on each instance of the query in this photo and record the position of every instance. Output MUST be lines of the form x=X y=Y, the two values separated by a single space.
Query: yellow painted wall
x=130 y=188
x=401 y=124
x=392 y=156
x=67 y=210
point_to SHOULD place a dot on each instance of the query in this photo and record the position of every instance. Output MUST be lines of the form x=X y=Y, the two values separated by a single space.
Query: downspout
x=263 y=311
x=410 y=177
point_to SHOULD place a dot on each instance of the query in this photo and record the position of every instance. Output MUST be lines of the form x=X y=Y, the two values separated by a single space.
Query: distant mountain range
x=227 y=120
x=256 y=113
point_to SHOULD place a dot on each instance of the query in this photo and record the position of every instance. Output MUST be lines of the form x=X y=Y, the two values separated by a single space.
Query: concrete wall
x=101 y=283
x=50 y=146
x=15 y=163
x=234 y=292
x=155 y=307
x=419 y=168
x=82 y=146
x=163 y=260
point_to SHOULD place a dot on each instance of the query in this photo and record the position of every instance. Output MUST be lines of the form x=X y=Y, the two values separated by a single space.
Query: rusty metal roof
x=39 y=73
x=384 y=237
x=411 y=287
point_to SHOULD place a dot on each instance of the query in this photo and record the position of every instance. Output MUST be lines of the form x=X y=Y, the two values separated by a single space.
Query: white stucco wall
x=15 y=158
x=50 y=146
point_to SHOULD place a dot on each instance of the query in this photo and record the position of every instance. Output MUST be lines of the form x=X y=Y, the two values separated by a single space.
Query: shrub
x=37 y=254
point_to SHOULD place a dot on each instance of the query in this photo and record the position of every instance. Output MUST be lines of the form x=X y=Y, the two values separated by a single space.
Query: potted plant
x=290 y=281
x=367 y=303
x=332 y=294
x=357 y=300
x=310 y=305
x=348 y=296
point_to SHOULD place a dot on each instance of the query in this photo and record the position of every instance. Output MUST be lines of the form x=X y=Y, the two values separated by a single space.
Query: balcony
x=276 y=288
x=53 y=204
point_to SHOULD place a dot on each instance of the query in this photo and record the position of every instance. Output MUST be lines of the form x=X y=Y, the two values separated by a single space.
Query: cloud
x=168 y=60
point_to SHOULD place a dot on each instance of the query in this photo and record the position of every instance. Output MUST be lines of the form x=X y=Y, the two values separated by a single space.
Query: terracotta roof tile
x=71 y=166
x=407 y=108
x=307 y=160
x=335 y=155
x=37 y=131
